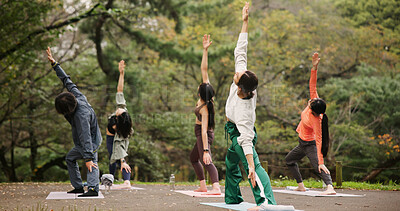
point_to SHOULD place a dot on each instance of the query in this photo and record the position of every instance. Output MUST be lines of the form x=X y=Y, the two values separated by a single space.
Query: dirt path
x=158 y=197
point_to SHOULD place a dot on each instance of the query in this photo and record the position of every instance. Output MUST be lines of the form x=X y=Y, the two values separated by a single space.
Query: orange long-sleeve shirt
x=309 y=128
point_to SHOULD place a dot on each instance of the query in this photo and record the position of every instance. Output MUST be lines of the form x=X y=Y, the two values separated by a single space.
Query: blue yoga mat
x=243 y=206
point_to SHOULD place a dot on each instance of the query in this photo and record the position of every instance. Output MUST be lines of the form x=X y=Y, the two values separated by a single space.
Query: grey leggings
x=309 y=149
x=196 y=156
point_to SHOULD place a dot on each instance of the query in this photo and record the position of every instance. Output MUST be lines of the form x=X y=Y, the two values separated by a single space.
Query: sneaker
x=76 y=190
x=265 y=206
x=91 y=192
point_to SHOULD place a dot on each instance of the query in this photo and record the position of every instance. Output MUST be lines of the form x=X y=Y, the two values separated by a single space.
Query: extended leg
x=233 y=177
x=292 y=158
x=73 y=168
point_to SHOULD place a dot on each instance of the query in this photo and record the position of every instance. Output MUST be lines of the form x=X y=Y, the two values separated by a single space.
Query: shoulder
x=203 y=110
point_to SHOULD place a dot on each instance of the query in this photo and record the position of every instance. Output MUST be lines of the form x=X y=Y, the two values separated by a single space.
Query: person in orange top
x=313 y=136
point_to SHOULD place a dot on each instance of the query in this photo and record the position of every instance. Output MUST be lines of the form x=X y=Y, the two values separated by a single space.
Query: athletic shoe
x=91 y=192
x=76 y=190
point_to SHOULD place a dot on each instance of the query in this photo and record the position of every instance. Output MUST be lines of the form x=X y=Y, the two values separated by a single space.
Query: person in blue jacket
x=85 y=132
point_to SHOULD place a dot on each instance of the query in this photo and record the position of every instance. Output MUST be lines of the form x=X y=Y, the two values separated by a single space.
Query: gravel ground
x=30 y=196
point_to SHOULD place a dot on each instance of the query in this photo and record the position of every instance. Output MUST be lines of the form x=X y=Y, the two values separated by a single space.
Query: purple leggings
x=113 y=166
x=196 y=156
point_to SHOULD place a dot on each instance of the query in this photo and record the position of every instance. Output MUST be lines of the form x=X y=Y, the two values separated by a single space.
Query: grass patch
x=309 y=183
x=282 y=182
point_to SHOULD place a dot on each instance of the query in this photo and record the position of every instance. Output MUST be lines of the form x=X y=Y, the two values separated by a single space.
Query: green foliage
x=368 y=12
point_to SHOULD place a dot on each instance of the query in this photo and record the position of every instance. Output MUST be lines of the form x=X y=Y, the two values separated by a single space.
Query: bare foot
x=125 y=185
x=200 y=190
x=254 y=208
x=213 y=192
x=329 y=192
x=300 y=189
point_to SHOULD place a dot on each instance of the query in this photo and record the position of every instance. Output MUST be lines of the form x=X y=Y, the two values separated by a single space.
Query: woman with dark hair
x=240 y=111
x=119 y=130
x=204 y=128
x=313 y=136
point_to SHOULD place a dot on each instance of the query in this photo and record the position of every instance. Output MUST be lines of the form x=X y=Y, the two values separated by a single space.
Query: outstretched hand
x=315 y=60
x=252 y=177
x=323 y=168
x=207 y=158
x=245 y=12
x=49 y=56
x=90 y=164
x=121 y=66
x=126 y=167
x=206 y=42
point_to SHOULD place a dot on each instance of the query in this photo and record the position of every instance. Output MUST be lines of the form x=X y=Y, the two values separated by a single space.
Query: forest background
x=160 y=40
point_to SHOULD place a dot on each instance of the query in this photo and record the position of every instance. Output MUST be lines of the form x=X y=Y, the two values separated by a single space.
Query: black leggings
x=309 y=149
x=196 y=156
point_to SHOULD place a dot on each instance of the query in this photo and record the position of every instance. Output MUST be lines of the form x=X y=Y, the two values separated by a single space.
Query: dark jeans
x=113 y=166
x=309 y=149
x=73 y=155
x=196 y=156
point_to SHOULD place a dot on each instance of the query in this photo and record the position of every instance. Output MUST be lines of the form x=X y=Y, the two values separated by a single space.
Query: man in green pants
x=233 y=175
x=240 y=111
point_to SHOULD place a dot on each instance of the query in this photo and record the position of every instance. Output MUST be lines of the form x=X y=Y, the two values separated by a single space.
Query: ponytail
x=211 y=114
x=325 y=135
x=206 y=92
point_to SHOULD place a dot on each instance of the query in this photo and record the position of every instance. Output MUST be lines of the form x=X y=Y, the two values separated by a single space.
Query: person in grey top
x=85 y=132
x=119 y=130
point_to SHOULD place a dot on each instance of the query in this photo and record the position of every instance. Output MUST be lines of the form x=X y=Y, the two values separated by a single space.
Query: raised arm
x=121 y=68
x=313 y=77
x=241 y=46
x=68 y=84
x=245 y=17
x=204 y=60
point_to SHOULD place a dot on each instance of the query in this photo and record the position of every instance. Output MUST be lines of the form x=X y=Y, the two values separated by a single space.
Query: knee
x=289 y=162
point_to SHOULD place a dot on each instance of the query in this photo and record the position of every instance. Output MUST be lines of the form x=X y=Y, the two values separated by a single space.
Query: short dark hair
x=124 y=125
x=65 y=103
x=248 y=83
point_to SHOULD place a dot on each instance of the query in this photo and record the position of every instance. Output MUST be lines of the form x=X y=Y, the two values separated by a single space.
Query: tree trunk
x=32 y=140
x=376 y=171
x=12 y=176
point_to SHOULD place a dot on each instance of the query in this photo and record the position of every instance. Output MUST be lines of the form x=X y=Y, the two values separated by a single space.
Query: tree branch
x=37 y=32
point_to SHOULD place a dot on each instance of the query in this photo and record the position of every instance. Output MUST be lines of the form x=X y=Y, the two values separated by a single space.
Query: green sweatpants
x=235 y=154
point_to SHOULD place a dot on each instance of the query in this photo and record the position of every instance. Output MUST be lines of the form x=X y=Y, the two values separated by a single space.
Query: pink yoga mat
x=315 y=193
x=199 y=194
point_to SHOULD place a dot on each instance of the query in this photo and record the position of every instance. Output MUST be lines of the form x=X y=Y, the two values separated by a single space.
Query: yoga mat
x=198 y=194
x=113 y=187
x=65 y=195
x=239 y=207
x=314 y=193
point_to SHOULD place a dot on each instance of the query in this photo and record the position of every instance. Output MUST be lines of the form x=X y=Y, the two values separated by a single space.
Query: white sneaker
x=269 y=207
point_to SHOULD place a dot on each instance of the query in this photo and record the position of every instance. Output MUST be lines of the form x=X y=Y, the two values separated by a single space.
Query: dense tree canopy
x=160 y=41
